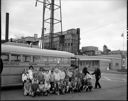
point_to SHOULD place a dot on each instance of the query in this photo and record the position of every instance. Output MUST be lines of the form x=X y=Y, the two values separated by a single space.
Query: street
x=114 y=87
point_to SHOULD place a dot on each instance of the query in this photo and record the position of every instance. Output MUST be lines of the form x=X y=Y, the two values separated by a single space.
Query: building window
x=71 y=44
x=68 y=44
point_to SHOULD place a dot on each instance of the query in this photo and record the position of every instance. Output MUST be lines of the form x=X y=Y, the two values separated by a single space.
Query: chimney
x=7 y=27
x=35 y=36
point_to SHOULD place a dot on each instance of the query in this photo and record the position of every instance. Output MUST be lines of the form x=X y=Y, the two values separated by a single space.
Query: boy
x=35 y=87
x=52 y=81
x=41 y=87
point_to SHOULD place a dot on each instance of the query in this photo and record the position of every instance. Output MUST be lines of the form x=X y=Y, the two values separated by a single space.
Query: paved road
x=114 y=87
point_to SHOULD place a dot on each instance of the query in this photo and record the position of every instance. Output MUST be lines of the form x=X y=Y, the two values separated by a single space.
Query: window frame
x=7 y=60
x=17 y=56
x=24 y=59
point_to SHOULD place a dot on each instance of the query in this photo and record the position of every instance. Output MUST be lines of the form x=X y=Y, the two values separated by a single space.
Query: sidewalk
x=113 y=71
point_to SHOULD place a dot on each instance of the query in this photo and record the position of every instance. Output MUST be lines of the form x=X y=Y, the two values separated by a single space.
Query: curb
x=114 y=72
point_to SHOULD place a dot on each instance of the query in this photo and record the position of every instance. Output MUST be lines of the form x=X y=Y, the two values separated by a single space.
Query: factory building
x=66 y=41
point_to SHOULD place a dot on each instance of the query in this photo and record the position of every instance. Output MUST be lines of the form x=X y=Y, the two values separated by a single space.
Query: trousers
x=97 y=83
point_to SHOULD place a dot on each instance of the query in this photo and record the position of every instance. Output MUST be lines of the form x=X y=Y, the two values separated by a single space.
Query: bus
x=16 y=59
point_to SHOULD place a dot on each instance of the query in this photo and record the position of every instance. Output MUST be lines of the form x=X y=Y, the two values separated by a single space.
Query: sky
x=101 y=22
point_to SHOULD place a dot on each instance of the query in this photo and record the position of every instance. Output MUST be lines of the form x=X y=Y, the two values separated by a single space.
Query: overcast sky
x=101 y=22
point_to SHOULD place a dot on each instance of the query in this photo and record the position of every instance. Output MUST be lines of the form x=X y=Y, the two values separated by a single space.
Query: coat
x=85 y=71
x=97 y=73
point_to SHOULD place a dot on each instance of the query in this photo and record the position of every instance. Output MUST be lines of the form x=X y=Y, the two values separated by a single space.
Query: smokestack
x=7 y=27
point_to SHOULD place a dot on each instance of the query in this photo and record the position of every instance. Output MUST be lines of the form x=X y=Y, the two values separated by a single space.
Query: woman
x=85 y=71
x=97 y=73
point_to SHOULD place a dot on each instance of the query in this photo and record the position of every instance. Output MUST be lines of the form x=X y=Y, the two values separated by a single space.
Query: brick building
x=67 y=41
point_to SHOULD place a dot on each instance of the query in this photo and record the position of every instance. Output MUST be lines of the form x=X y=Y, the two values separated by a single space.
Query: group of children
x=37 y=81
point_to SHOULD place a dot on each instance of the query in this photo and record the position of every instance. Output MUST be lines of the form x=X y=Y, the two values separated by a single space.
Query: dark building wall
x=69 y=41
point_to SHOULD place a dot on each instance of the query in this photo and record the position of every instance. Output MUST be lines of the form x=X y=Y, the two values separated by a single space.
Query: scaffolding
x=51 y=6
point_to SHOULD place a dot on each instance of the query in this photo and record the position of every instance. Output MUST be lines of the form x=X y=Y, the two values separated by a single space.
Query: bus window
x=5 y=57
x=15 y=57
x=65 y=60
x=36 y=59
x=62 y=60
x=58 y=60
x=43 y=59
x=50 y=59
x=26 y=58
x=69 y=61
x=55 y=60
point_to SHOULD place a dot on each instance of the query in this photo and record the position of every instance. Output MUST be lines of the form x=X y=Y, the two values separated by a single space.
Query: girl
x=47 y=87
x=25 y=76
x=41 y=87
x=27 y=87
x=30 y=72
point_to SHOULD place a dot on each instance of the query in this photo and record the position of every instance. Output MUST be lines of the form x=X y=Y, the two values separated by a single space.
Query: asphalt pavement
x=114 y=87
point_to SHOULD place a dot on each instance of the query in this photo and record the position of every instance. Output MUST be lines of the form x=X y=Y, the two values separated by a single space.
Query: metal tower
x=51 y=6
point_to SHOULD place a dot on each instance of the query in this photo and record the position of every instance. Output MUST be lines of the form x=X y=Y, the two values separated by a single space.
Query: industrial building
x=67 y=41
x=104 y=62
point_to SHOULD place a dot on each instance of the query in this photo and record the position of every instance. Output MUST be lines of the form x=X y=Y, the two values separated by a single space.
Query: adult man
x=97 y=73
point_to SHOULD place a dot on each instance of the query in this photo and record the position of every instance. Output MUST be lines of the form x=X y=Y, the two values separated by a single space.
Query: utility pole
x=123 y=54
x=7 y=28
x=51 y=24
x=43 y=27
x=51 y=6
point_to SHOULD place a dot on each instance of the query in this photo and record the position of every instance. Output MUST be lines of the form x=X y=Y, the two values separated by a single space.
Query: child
x=30 y=72
x=67 y=85
x=46 y=75
x=79 y=84
x=47 y=87
x=89 y=83
x=41 y=86
x=25 y=76
x=27 y=87
x=35 y=87
x=62 y=87
x=52 y=80
x=74 y=84
x=40 y=76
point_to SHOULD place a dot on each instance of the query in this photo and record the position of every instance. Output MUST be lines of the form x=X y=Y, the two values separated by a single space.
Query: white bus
x=16 y=59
